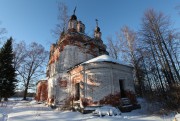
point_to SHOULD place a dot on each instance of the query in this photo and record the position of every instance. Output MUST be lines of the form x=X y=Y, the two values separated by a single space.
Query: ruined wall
x=62 y=86
x=42 y=91
x=102 y=84
x=58 y=87
x=72 y=49
x=116 y=72
x=100 y=79
x=50 y=88
x=71 y=56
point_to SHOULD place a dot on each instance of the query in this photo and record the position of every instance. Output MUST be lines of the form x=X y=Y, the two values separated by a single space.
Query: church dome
x=73 y=17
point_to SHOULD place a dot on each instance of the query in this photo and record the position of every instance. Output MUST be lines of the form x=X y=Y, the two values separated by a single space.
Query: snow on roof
x=104 y=58
x=46 y=78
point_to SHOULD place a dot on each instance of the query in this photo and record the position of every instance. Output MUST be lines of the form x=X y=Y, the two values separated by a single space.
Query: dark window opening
x=81 y=29
x=122 y=91
x=77 y=91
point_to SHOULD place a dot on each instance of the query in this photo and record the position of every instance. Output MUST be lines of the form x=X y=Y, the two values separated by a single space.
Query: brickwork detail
x=42 y=92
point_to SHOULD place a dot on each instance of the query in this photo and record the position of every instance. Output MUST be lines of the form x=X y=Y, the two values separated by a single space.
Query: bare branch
x=29 y=62
x=62 y=18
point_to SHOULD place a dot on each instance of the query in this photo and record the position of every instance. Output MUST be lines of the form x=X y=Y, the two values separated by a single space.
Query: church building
x=80 y=70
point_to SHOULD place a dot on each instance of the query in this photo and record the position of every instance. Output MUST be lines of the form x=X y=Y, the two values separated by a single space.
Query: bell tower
x=72 y=25
x=80 y=27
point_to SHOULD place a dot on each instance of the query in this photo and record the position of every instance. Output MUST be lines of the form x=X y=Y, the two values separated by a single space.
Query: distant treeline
x=20 y=94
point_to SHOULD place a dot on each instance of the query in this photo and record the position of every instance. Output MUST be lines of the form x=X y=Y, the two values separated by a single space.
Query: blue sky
x=33 y=20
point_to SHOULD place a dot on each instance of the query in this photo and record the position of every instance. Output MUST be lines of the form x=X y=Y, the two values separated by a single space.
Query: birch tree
x=156 y=30
x=162 y=43
x=129 y=39
x=63 y=18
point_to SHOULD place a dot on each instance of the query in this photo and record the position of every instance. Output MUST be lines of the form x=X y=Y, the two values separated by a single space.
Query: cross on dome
x=73 y=17
x=74 y=10
x=96 y=22
x=97 y=29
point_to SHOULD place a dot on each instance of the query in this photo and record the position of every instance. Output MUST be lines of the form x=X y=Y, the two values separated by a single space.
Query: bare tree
x=124 y=48
x=161 y=41
x=30 y=63
x=19 y=54
x=113 y=48
x=63 y=18
x=128 y=39
x=156 y=30
x=129 y=42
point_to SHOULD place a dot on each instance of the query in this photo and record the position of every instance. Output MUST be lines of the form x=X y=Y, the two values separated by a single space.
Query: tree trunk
x=163 y=63
x=157 y=69
x=175 y=56
x=169 y=54
x=160 y=41
x=26 y=89
x=25 y=93
x=173 y=65
x=148 y=79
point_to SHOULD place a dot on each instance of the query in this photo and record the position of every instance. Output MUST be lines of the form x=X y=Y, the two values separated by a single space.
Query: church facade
x=80 y=70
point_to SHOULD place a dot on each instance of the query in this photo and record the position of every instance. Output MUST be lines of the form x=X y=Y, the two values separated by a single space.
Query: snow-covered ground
x=31 y=111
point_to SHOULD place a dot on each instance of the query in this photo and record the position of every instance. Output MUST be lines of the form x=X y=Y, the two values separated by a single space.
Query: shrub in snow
x=111 y=99
x=132 y=97
x=173 y=97
x=86 y=102
x=69 y=100
x=68 y=103
x=107 y=110
x=168 y=100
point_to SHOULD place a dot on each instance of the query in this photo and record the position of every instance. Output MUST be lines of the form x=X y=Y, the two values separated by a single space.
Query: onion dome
x=97 y=29
x=73 y=17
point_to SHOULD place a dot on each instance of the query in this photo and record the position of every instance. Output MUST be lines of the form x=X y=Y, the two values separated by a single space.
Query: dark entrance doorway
x=122 y=91
x=77 y=91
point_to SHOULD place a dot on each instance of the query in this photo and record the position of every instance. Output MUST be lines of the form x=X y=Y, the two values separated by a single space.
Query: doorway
x=77 y=91
x=122 y=91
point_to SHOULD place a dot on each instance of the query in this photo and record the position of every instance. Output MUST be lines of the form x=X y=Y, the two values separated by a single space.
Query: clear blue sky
x=33 y=20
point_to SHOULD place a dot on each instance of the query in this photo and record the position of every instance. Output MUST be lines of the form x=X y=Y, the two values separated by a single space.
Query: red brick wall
x=42 y=91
